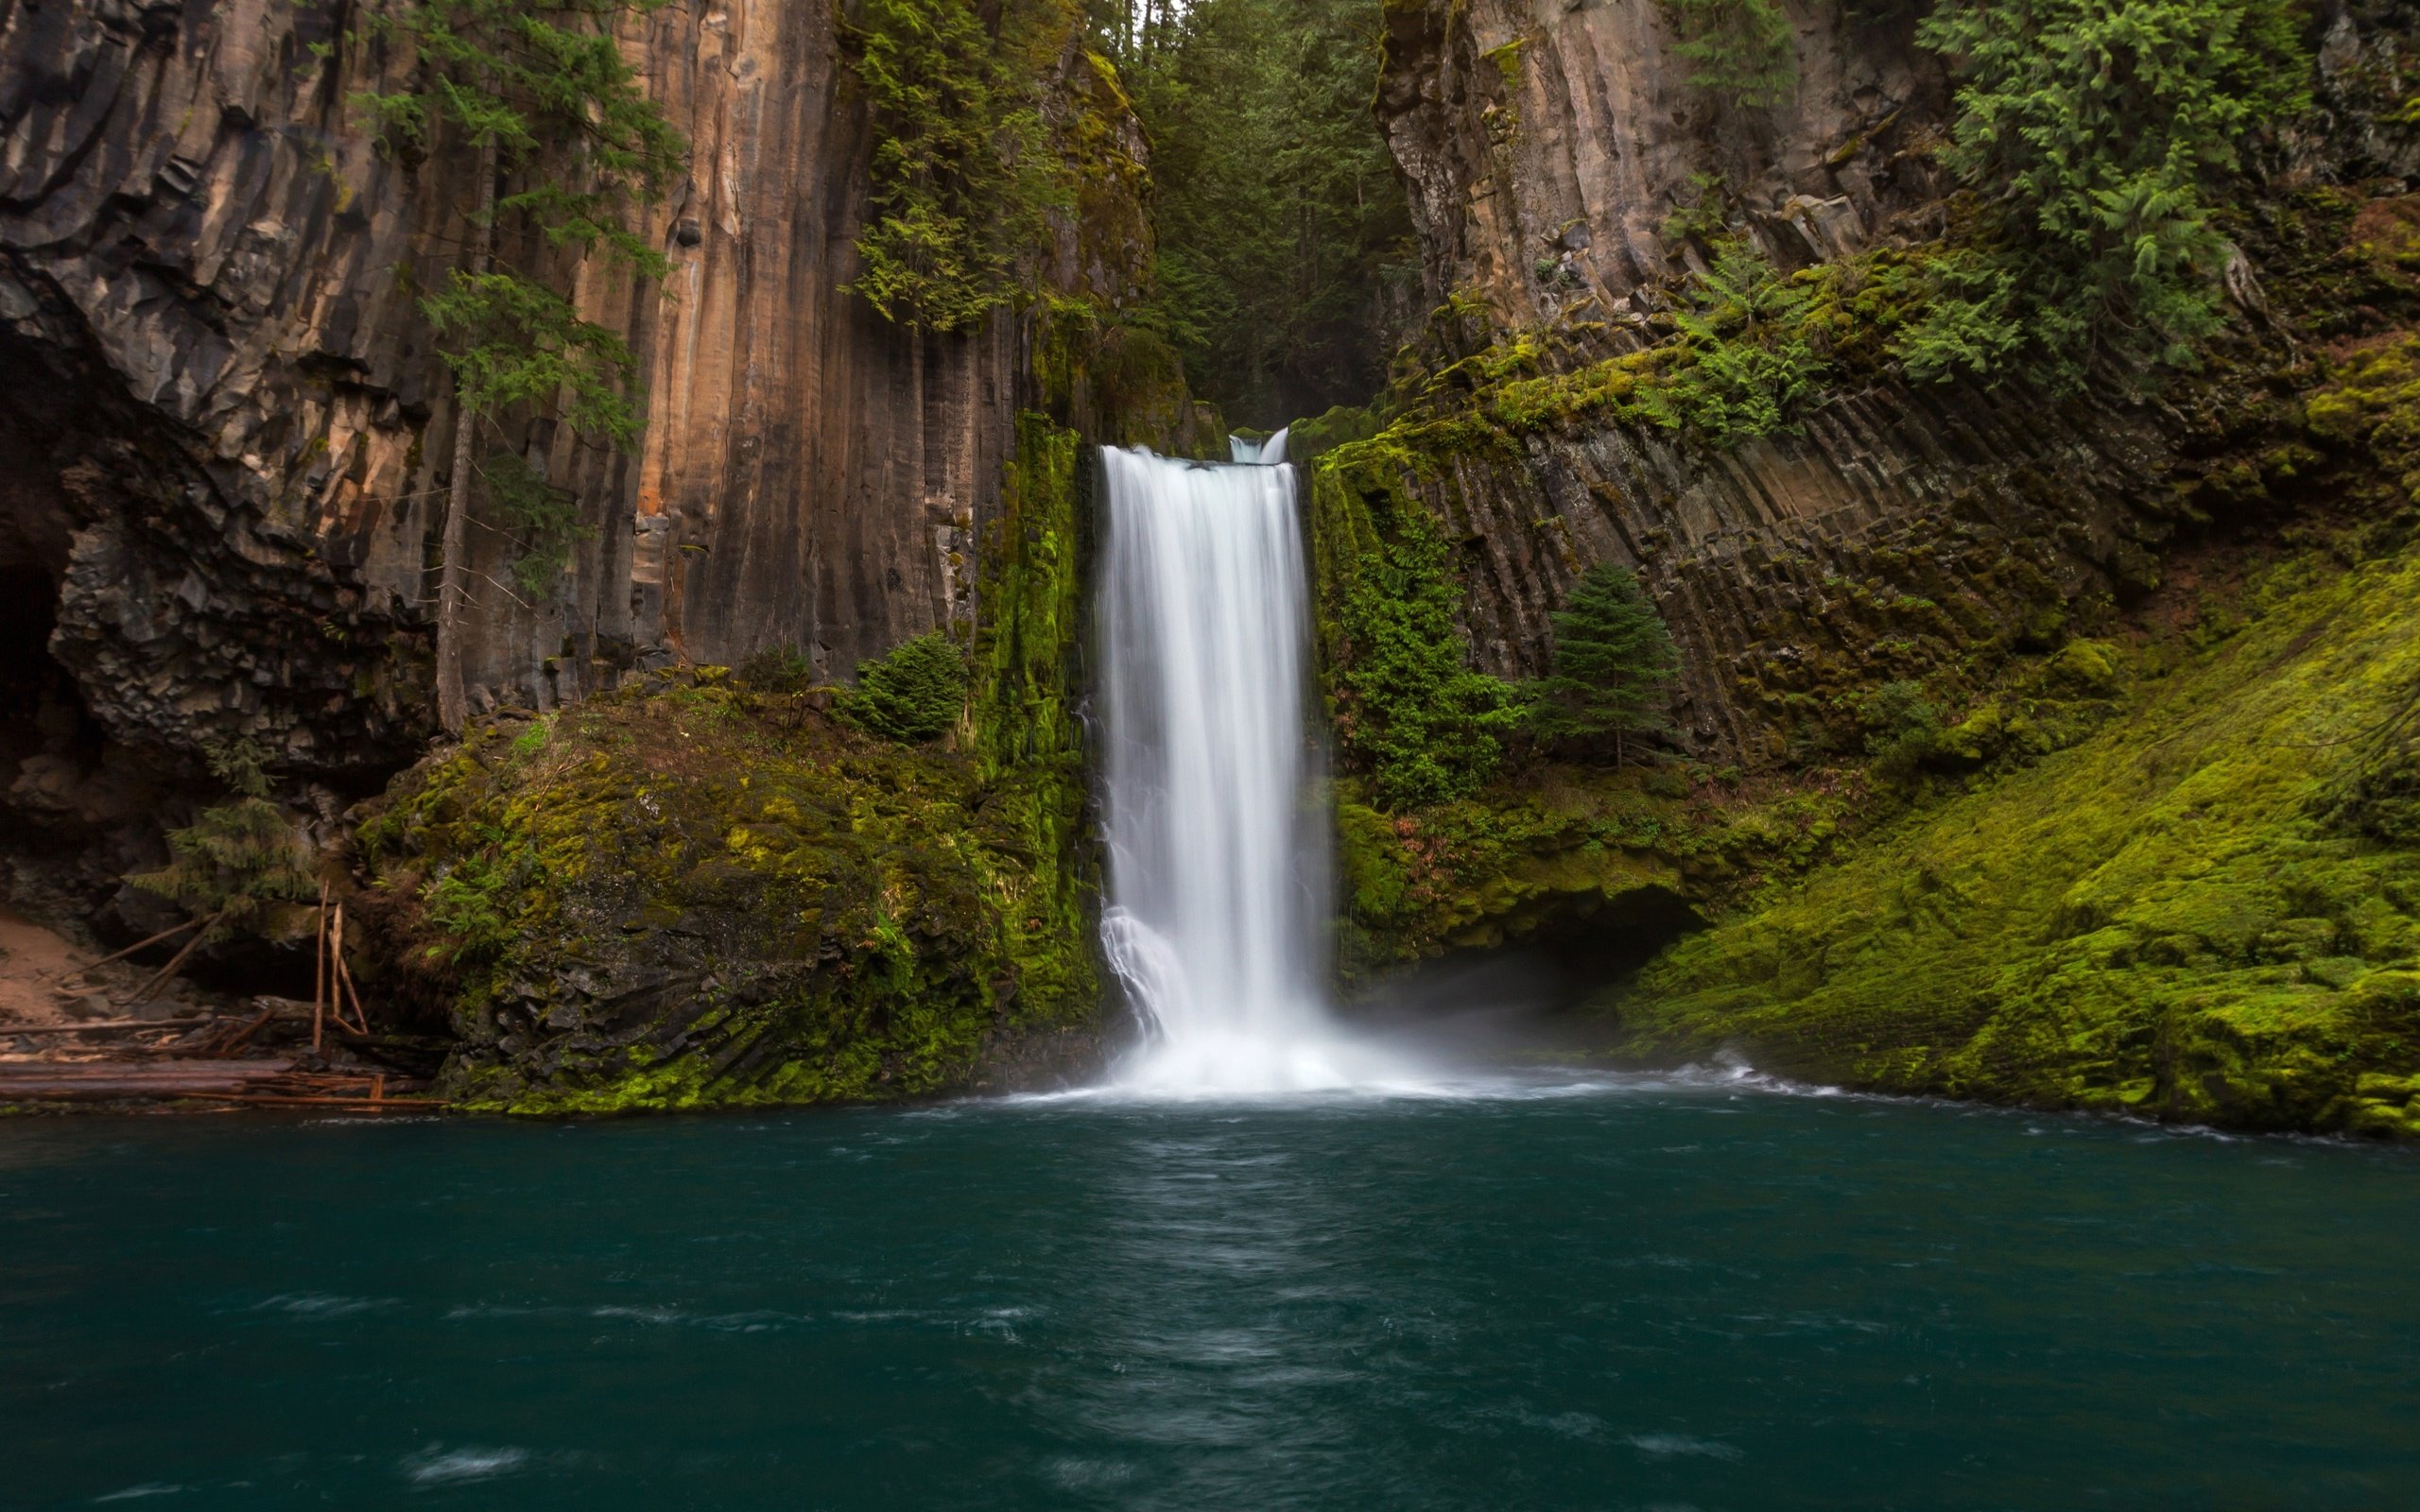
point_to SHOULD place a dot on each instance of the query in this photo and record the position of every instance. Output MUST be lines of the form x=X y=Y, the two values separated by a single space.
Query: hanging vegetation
x=961 y=179
x=540 y=93
x=2096 y=130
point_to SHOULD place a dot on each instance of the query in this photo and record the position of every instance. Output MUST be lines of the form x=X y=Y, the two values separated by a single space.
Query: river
x=1544 y=1293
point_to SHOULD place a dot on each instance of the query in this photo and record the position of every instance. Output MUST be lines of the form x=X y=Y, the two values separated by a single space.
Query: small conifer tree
x=1613 y=659
x=960 y=180
x=236 y=858
x=914 y=695
x=540 y=91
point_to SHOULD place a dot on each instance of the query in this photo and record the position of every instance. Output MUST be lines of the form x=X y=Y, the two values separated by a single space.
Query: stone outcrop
x=225 y=427
x=1543 y=146
x=1902 y=531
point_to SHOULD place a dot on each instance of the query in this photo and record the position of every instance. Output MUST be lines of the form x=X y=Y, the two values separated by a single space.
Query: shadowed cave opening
x=1525 y=990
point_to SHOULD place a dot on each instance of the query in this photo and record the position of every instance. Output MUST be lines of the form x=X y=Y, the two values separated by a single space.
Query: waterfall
x=1218 y=866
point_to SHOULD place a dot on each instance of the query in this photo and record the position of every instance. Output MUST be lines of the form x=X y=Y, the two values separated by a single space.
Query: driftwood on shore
x=262 y=1082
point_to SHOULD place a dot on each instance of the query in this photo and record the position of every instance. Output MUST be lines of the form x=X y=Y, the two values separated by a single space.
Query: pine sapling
x=1613 y=662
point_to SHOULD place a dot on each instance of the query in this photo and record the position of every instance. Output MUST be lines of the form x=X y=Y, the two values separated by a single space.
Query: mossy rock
x=2159 y=917
x=714 y=890
x=676 y=900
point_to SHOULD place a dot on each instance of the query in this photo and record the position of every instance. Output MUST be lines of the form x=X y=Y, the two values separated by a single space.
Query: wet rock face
x=1903 y=532
x=1900 y=530
x=227 y=429
x=1544 y=145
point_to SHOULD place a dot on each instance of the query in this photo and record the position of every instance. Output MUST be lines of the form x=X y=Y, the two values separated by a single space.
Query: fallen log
x=120 y=955
x=358 y=1105
x=120 y=1079
x=111 y=1025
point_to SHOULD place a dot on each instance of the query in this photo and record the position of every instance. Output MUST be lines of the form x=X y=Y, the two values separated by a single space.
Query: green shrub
x=1903 y=731
x=914 y=695
x=1613 y=659
x=2095 y=128
x=778 y=669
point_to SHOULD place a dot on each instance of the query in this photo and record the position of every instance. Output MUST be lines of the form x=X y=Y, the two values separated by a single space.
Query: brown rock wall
x=225 y=427
x=1545 y=142
x=204 y=259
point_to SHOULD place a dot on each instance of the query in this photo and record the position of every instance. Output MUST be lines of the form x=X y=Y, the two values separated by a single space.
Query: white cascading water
x=1219 y=867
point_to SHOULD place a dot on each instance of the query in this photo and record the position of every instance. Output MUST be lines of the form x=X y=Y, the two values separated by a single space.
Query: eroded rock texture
x=225 y=429
x=1905 y=531
x=1544 y=144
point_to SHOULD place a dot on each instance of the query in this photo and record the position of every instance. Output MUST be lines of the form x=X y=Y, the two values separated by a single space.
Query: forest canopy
x=1285 y=241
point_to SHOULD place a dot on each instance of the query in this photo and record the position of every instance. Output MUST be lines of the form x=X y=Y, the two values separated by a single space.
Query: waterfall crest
x=1219 y=874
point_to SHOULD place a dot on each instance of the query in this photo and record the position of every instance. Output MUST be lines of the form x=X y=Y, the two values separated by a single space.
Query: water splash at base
x=1219 y=878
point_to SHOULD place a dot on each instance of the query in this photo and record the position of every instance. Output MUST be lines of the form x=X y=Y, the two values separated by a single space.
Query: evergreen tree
x=539 y=91
x=1743 y=50
x=236 y=858
x=2093 y=129
x=915 y=693
x=963 y=176
x=1284 y=235
x=1613 y=659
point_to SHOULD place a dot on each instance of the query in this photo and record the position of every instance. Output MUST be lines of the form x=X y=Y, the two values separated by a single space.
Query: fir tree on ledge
x=540 y=93
x=232 y=864
x=1613 y=663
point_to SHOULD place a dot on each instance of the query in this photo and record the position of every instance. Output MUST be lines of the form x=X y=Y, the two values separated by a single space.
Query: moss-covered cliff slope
x=2208 y=910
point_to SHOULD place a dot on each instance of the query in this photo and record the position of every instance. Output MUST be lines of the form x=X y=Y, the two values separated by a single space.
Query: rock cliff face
x=224 y=427
x=2140 y=849
x=1903 y=531
x=1545 y=145
x=1545 y=148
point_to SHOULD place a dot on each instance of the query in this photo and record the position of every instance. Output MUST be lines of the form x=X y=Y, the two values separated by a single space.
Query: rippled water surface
x=1637 y=1295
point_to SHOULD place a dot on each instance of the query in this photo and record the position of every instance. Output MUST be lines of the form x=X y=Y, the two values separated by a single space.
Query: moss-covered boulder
x=2189 y=914
x=708 y=889
x=690 y=893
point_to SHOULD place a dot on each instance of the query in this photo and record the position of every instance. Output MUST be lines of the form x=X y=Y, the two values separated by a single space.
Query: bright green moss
x=705 y=891
x=2151 y=920
x=1407 y=709
x=1028 y=745
x=1555 y=843
x=694 y=894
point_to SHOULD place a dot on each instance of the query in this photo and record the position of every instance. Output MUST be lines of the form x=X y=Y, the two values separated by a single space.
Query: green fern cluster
x=2097 y=128
x=1750 y=364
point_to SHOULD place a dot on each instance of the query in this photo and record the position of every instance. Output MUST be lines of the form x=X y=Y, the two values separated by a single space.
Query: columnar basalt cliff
x=1952 y=653
x=227 y=429
x=1898 y=530
x=1543 y=146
